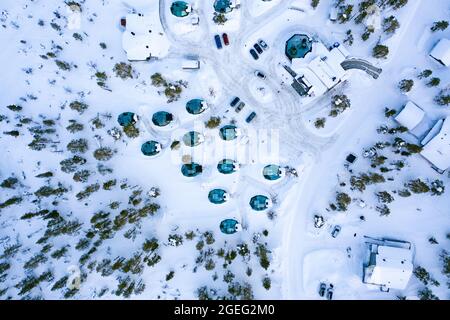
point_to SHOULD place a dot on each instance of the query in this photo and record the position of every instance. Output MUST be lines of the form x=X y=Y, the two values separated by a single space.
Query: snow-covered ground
x=99 y=222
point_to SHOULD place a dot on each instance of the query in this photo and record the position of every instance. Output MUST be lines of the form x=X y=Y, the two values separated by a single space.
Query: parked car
x=250 y=117
x=234 y=101
x=263 y=44
x=258 y=48
x=226 y=41
x=322 y=288
x=240 y=106
x=335 y=231
x=259 y=74
x=330 y=292
x=254 y=54
x=218 y=41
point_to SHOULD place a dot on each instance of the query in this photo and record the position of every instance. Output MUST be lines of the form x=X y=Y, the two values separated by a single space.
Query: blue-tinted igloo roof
x=222 y=6
x=226 y=166
x=191 y=169
x=229 y=226
x=151 y=148
x=162 y=118
x=228 y=132
x=259 y=202
x=272 y=172
x=126 y=119
x=192 y=138
x=217 y=196
x=196 y=106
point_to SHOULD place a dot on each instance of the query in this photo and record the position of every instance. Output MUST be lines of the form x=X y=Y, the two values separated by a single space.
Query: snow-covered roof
x=310 y=79
x=144 y=37
x=322 y=72
x=441 y=52
x=437 y=151
x=410 y=116
x=393 y=267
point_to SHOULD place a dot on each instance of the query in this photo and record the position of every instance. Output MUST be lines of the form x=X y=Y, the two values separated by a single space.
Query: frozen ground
x=298 y=258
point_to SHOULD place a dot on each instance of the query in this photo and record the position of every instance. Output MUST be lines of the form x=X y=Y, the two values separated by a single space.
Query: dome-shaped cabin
x=162 y=118
x=259 y=203
x=218 y=196
x=272 y=172
x=180 y=9
x=127 y=118
x=151 y=148
x=193 y=138
x=191 y=169
x=230 y=226
x=227 y=166
x=228 y=132
x=196 y=106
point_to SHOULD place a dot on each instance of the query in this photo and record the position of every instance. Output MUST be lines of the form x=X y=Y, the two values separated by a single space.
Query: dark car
x=240 y=106
x=322 y=289
x=258 y=48
x=259 y=74
x=330 y=292
x=226 y=41
x=254 y=54
x=250 y=117
x=263 y=44
x=234 y=101
x=218 y=42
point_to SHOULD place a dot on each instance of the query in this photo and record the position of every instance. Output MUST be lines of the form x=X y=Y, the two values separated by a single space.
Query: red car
x=225 y=39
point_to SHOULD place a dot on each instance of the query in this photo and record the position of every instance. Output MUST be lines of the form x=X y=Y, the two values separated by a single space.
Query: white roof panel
x=437 y=151
x=410 y=116
x=441 y=52
x=393 y=267
x=144 y=37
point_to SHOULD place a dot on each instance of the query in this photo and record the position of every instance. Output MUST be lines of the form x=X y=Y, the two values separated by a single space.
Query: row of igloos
x=164 y=119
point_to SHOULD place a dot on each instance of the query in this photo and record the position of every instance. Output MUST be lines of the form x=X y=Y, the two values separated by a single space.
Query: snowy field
x=84 y=214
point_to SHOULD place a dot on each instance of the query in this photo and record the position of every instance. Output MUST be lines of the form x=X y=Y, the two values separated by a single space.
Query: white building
x=191 y=64
x=437 y=146
x=441 y=52
x=144 y=37
x=321 y=73
x=389 y=265
x=410 y=116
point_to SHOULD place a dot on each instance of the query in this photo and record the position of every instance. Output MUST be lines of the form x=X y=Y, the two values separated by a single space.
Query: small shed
x=191 y=65
x=441 y=52
x=410 y=116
